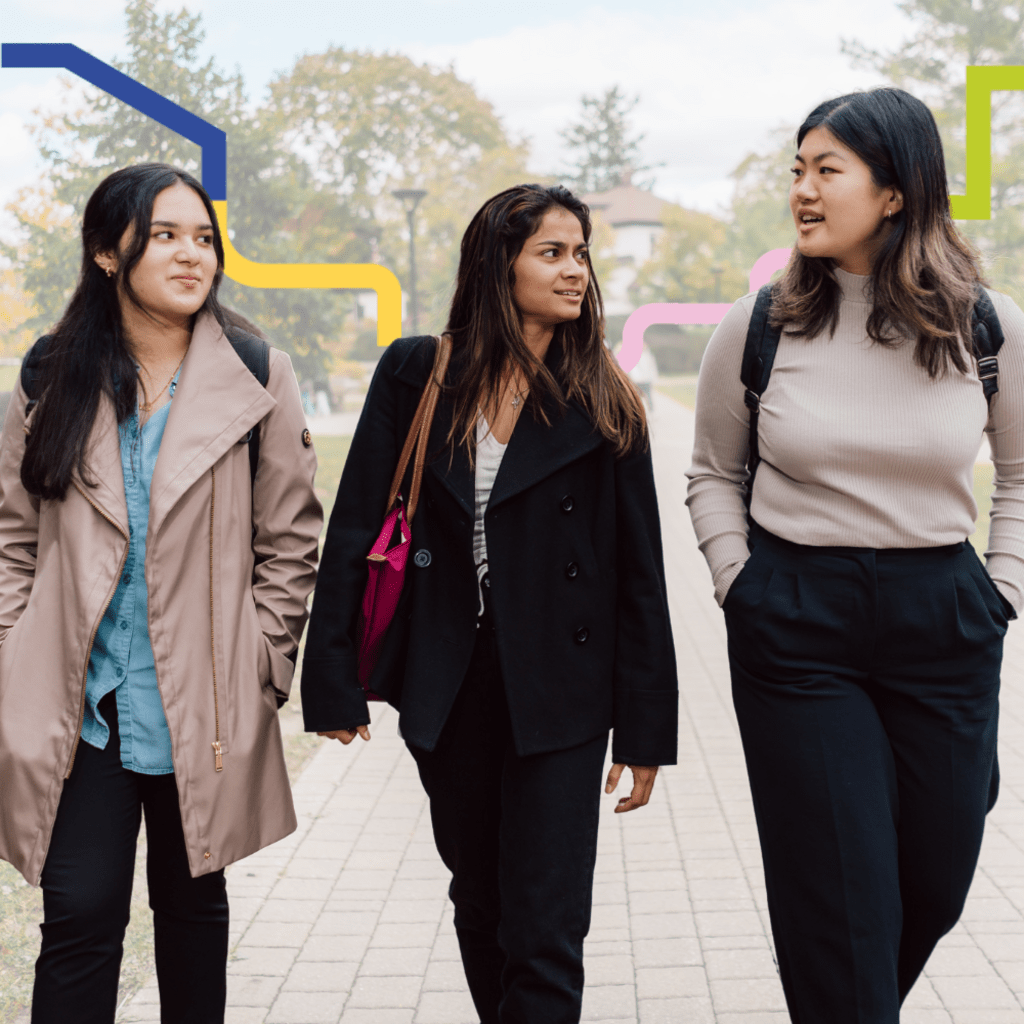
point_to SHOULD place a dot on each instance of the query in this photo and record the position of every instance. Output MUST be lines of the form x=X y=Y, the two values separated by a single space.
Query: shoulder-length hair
x=88 y=353
x=925 y=273
x=487 y=332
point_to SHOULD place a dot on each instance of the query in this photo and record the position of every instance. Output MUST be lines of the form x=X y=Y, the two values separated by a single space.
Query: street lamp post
x=411 y=197
x=717 y=270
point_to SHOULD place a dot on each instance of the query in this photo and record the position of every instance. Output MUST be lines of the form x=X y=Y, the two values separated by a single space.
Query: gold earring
x=110 y=273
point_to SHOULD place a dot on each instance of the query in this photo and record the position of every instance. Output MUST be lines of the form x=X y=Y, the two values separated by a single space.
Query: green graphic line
x=981 y=83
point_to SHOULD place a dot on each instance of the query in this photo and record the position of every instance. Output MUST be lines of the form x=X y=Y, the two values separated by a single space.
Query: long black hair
x=487 y=334
x=88 y=353
x=925 y=273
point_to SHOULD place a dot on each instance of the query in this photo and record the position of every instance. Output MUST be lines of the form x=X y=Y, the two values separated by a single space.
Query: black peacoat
x=576 y=573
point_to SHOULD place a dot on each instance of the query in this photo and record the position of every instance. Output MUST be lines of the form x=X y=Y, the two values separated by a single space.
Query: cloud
x=711 y=86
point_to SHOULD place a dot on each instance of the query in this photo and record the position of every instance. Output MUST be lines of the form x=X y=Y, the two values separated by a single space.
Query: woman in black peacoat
x=507 y=714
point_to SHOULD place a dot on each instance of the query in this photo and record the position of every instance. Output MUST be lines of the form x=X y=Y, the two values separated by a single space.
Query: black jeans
x=866 y=687
x=87 y=887
x=519 y=835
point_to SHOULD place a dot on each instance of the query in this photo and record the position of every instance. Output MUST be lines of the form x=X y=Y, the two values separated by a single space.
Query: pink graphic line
x=690 y=312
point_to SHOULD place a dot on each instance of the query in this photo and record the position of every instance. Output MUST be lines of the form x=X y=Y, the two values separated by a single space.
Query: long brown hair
x=487 y=334
x=925 y=273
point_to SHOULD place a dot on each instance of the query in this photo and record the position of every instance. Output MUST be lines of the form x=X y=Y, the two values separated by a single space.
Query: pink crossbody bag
x=388 y=556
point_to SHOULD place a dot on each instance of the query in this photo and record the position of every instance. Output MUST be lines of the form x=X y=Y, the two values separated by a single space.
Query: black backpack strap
x=30 y=371
x=255 y=353
x=988 y=338
x=758 y=356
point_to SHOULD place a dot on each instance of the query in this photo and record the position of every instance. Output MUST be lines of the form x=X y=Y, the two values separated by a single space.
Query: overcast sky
x=714 y=77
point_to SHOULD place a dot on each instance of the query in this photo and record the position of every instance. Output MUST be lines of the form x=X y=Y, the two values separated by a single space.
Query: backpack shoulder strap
x=30 y=371
x=255 y=353
x=758 y=357
x=987 y=334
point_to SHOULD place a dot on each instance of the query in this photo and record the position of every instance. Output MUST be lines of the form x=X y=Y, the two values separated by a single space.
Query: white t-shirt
x=489 y=453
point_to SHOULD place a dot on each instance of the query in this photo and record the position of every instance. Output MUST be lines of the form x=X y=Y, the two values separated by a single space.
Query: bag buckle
x=988 y=367
x=752 y=400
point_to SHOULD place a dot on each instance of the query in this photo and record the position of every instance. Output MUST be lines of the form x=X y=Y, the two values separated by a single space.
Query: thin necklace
x=517 y=396
x=147 y=406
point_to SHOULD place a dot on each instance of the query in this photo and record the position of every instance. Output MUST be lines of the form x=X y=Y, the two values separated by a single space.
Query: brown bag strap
x=419 y=430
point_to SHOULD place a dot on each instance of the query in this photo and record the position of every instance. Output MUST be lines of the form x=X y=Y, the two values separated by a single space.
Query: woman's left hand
x=643 y=783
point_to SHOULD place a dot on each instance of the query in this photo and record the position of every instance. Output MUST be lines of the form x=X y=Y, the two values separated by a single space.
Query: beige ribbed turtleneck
x=860 y=447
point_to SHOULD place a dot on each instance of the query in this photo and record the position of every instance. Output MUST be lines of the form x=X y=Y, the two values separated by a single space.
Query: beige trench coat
x=224 y=632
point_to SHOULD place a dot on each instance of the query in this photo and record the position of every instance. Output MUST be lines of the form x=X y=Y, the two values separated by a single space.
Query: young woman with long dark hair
x=865 y=636
x=154 y=570
x=534 y=616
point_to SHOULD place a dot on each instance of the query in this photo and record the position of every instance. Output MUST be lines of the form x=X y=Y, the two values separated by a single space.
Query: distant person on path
x=534 y=615
x=645 y=375
x=152 y=596
x=865 y=636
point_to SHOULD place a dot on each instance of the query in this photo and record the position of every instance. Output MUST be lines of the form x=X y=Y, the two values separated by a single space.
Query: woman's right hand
x=347 y=736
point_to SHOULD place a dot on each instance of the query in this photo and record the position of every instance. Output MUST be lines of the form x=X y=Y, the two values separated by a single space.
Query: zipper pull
x=217 y=759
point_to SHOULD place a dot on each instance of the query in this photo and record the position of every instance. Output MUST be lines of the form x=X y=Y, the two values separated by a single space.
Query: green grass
x=331 y=453
x=21 y=905
x=684 y=394
x=983 y=479
x=8 y=377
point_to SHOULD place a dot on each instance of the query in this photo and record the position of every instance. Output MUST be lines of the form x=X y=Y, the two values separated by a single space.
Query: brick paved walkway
x=346 y=920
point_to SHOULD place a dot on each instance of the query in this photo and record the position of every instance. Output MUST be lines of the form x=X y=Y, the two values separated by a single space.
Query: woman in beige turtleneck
x=865 y=636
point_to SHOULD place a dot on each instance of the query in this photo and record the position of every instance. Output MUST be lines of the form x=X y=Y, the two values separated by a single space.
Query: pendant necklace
x=147 y=406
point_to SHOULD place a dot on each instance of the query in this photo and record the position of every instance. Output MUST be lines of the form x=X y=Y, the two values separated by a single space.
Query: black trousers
x=519 y=835
x=866 y=688
x=87 y=887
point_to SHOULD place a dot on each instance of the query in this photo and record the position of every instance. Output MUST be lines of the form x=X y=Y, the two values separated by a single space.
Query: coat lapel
x=454 y=472
x=104 y=469
x=534 y=452
x=451 y=468
x=216 y=403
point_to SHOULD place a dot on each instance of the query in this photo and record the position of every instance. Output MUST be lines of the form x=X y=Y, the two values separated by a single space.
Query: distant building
x=636 y=216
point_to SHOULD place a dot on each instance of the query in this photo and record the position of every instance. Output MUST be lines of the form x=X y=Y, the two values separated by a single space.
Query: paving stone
x=674 y=1011
x=320 y=976
x=252 y=990
x=975 y=993
x=306 y=1008
x=671 y=982
x=238 y=1015
x=601 y=1001
x=394 y=992
x=287 y=911
x=261 y=960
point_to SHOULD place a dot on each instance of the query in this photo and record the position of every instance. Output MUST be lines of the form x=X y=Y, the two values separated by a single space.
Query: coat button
x=572 y=570
x=422 y=558
x=206 y=856
x=581 y=635
x=567 y=503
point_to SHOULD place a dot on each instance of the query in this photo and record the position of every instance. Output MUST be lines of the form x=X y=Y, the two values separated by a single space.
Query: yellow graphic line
x=981 y=83
x=361 y=276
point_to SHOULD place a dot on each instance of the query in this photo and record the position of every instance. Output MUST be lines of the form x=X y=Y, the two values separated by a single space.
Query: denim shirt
x=122 y=656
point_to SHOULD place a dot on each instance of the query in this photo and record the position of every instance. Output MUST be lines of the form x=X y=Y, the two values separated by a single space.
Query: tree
x=370 y=123
x=83 y=146
x=691 y=261
x=309 y=174
x=951 y=34
x=606 y=151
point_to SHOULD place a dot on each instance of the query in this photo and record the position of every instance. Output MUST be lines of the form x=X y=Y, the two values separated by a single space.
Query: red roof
x=627 y=204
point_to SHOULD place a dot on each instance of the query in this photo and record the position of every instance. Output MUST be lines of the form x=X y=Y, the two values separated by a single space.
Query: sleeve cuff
x=330 y=700
x=646 y=727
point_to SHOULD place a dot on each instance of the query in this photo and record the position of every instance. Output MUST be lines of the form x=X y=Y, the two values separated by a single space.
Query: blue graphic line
x=213 y=141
